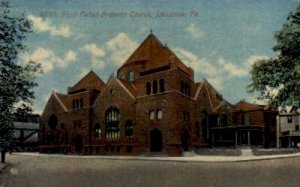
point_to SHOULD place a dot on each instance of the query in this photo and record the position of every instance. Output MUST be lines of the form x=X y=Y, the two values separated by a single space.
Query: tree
x=17 y=80
x=278 y=79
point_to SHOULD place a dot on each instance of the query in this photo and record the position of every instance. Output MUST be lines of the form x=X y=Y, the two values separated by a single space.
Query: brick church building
x=153 y=104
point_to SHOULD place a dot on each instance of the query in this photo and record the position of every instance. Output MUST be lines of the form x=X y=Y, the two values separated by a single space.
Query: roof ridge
x=140 y=46
x=198 y=90
x=59 y=101
x=89 y=73
x=90 y=80
x=216 y=90
x=210 y=102
x=244 y=101
x=125 y=88
x=65 y=95
x=174 y=54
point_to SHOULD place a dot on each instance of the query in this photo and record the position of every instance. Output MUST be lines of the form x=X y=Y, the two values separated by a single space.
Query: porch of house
x=235 y=136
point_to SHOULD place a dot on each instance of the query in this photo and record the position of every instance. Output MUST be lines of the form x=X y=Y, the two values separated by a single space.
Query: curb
x=209 y=159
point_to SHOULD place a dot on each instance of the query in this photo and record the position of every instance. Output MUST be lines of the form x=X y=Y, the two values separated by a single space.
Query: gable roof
x=59 y=98
x=89 y=81
x=214 y=95
x=223 y=106
x=127 y=87
x=245 y=106
x=199 y=87
x=153 y=54
x=216 y=100
x=62 y=99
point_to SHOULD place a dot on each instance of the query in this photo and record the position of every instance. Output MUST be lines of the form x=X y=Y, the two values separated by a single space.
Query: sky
x=220 y=40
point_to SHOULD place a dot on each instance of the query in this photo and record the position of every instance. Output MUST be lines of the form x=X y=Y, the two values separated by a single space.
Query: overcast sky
x=218 y=39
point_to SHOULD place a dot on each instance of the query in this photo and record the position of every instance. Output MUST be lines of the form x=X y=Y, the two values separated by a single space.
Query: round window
x=112 y=91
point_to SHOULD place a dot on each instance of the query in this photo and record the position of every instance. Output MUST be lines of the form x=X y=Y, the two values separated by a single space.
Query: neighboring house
x=25 y=137
x=244 y=124
x=288 y=131
x=152 y=105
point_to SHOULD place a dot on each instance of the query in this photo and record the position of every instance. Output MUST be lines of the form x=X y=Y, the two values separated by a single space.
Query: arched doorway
x=155 y=141
x=78 y=143
x=185 y=140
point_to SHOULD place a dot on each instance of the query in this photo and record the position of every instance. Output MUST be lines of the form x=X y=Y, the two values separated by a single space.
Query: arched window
x=77 y=104
x=159 y=113
x=151 y=114
x=130 y=76
x=246 y=119
x=128 y=129
x=52 y=122
x=97 y=131
x=112 y=123
x=148 y=88
x=81 y=103
x=188 y=93
x=161 y=85
x=182 y=86
x=185 y=88
x=154 y=86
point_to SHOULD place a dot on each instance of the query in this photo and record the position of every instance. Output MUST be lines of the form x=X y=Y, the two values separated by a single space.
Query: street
x=67 y=171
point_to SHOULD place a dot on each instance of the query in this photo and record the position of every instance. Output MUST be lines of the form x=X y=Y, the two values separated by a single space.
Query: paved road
x=63 y=171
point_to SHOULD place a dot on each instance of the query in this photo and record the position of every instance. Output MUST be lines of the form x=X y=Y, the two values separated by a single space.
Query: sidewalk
x=195 y=158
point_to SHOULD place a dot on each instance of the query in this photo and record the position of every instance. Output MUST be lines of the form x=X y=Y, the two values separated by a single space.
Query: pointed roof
x=63 y=99
x=150 y=50
x=130 y=89
x=153 y=54
x=215 y=99
x=223 y=106
x=245 y=106
x=89 y=81
x=60 y=98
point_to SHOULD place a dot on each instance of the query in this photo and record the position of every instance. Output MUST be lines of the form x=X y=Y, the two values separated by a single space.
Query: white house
x=288 y=128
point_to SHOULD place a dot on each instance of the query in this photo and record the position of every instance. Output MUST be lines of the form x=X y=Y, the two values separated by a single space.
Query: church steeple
x=153 y=54
x=150 y=50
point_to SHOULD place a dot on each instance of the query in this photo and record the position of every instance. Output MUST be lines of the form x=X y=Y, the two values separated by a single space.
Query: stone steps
x=189 y=153
x=246 y=152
